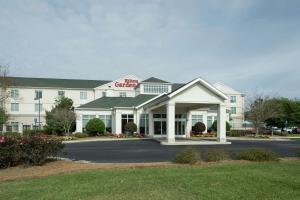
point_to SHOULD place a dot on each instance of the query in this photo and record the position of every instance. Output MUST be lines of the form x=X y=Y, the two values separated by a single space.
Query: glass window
x=83 y=95
x=122 y=94
x=107 y=121
x=61 y=93
x=14 y=107
x=144 y=123
x=155 y=89
x=86 y=118
x=125 y=119
x=196 y=118
x=38 y=107
x=14 y=126
x=232 y=110
x=38 y=94
x=14 y=93
x=210 y=120
x=232 y=99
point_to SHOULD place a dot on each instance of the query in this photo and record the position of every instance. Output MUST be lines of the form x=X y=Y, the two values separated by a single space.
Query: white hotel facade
x=159 y=108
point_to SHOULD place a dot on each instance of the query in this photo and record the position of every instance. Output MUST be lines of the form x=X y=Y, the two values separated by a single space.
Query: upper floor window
x=155 y=89
x=61 y=93
x=232 y=110
x=14 y=107
x=83 y=95
x=38 y=94
x=232 y=99
x=14 y=93
x=122 y=94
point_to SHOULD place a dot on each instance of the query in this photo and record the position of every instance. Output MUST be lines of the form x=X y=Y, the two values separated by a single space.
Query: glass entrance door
x=180 y=127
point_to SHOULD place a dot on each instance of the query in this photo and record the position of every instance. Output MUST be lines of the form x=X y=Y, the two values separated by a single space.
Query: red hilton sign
x=127 y=83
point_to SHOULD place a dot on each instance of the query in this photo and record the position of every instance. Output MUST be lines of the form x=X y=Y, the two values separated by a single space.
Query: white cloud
x=231 y=41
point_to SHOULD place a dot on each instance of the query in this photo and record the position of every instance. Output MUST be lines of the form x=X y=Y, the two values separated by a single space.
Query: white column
x=170 y=122
x=137 y=120
x=221 y=135
x=188 y=124
x=204 y=120
x=151 y=124
x=79 y=124
x=20 y=128
x=4 y=128
x=118 y=122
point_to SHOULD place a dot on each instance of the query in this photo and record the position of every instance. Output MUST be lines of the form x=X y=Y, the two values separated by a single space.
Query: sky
x=250 y=45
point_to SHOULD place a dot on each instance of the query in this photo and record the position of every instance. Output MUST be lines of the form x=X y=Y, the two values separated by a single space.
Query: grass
x=228 y=181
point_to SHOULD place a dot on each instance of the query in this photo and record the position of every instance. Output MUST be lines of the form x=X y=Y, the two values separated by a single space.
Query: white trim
x=209 y=86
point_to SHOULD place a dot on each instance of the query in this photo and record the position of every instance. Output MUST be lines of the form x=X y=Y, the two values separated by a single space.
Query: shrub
x=257 y=155
x=239 y=133
x=130 y=127
x=214 y=126
x=95 y=126
x=298 y=152
x=81 y=135
x=34 y=132
x=12 y=134
x=214 y=155
x=187 y=156
x=199 y=127
x=36 y=149
x=10 y=153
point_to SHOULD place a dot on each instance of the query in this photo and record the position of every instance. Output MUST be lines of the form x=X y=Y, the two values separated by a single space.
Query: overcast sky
x=251 y=45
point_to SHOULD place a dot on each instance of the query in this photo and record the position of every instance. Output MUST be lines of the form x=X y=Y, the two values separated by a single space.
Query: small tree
x=130 y=127
x=214 y=126
x=199 y=127
x=95 y=126
x=61 y=119
x=65 y=118
x=3 y=116
x=261 y=108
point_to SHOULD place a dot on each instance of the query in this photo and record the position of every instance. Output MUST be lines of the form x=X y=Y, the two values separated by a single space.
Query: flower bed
x=28 y=150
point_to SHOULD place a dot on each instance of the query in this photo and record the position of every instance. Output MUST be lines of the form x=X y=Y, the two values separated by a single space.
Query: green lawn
x=227 y=181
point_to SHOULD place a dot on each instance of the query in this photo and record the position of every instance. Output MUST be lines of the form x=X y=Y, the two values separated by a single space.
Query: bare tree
x=4 y=93
x=4 y=83
x=65 y=118
x=259 y=109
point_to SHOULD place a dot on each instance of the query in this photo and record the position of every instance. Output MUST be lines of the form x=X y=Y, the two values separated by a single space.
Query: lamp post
x=38 y=96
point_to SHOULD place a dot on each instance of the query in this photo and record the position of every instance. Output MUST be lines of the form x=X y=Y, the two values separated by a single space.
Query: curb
x=103 y=140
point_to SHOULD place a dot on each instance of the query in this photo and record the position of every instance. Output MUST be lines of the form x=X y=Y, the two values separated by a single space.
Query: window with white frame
x=86 y=119
x=14 y=107
x=38 y=94
x=122 y=94
x=38 y=107
x=83 y=95
x=232 y=110
x=14 y=93
x=232 y=99
x=61 y=93
x=144 y=123
x=14 y=126
x=155 y=89
x=196 y=118
x=210 y=121
x=107 y=121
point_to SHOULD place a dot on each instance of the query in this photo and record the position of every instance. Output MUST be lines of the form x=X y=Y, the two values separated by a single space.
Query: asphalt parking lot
x=148 y=150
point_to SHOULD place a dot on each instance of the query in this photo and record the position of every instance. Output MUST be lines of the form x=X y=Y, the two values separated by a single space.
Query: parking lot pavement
x=151 y=151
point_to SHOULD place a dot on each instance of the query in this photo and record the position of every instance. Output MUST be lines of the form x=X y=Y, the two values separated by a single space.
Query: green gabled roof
x=154 y=80
x=56 y=83
x=111 y=102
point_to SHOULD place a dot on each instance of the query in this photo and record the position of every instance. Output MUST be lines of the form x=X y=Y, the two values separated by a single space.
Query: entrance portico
x=197 y=95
